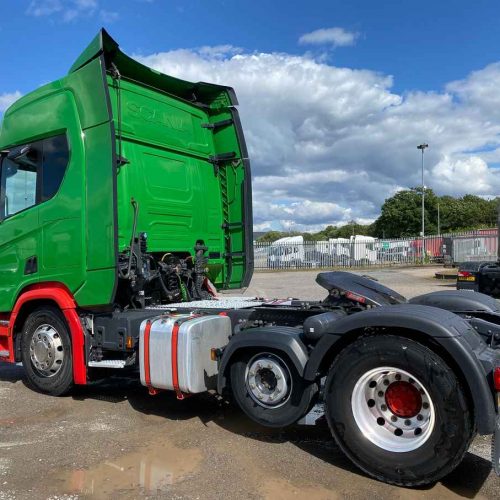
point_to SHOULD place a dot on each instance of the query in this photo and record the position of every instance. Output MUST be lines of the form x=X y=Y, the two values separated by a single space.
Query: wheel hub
x=403 y=399
x=268 y=380
x=46 y=350
x=393 y=409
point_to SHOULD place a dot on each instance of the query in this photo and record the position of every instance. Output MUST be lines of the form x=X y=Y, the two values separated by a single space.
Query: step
x=107 y=363
x=4 y=354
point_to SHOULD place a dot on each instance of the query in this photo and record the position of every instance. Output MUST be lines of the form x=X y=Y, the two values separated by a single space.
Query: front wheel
x=46 y=352
x=398 y=410
x=268 y=388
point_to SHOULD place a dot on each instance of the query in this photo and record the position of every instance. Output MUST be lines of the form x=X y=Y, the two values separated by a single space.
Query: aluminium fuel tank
x=175 y=351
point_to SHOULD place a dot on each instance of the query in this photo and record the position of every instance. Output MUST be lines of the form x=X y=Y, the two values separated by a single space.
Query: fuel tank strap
x=175 y=356
x=175 y=361
x=147 y=368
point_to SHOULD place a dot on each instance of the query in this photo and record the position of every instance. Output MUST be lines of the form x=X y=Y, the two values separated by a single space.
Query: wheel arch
x=447 y=334
x=51 y=294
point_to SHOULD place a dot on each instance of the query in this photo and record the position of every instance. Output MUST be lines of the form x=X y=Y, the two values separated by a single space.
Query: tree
x=271 y=236
x=345 y=231
x=401 y=214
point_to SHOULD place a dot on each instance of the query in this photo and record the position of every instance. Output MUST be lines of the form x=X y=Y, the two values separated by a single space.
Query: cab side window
x=55 y=161
x=19 y=179
x=32 y=174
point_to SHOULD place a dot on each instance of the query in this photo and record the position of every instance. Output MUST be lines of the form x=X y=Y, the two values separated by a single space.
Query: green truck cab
x=117 y=160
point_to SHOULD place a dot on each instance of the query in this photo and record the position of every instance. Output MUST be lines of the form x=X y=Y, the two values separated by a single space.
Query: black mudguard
x=458 y=301
x=450 y=331
x=278 y=338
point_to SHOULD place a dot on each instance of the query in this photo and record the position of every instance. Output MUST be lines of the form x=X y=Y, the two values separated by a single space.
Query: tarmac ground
x=110 y=439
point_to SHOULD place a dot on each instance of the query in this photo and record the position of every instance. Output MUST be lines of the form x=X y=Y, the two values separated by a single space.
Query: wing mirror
x=21 y=156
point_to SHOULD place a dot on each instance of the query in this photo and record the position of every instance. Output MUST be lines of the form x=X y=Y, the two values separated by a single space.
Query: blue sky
x=422 y=44
x=355 y=85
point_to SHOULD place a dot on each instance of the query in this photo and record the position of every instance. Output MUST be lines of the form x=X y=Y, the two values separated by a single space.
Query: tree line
x=401 y=216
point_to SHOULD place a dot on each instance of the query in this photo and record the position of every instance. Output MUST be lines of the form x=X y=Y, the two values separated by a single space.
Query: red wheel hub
x=403 y=399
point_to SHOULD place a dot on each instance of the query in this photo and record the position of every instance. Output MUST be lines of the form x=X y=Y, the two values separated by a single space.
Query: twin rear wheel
x=46 y=351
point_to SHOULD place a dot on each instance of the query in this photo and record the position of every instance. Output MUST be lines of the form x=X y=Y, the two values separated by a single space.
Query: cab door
x=19 y=228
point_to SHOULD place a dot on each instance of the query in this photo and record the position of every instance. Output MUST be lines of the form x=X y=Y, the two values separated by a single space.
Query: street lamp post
x=422 y=148
x=439 y=222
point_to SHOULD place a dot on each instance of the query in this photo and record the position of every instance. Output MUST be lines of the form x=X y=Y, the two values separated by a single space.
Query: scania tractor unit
x=126 y=206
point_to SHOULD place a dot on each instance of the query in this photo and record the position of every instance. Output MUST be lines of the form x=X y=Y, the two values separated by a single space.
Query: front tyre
x=398 y=410
x=268 y=388
x=46 y=351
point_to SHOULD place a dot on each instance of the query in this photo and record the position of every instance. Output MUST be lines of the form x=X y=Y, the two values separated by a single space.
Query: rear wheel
x=268 y=388
x=46 y=351
x=398 y=410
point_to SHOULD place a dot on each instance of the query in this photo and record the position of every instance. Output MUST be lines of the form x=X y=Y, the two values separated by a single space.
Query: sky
x=334 y=95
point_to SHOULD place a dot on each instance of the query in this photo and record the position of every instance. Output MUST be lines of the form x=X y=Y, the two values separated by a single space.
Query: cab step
x=107 y=363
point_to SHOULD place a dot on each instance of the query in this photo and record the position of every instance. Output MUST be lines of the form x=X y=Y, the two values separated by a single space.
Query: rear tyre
x=268 y=388
x=398 y=410
x=46 y=352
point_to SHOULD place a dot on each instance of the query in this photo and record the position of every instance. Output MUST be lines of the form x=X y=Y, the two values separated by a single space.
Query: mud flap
x=495 y=447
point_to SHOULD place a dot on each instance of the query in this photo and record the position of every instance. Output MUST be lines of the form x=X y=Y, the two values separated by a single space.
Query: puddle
x=151 y=470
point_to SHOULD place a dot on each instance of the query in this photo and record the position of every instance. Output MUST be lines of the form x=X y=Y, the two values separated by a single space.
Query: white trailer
x=363 y=249
x=340 y=249
x=287 y=252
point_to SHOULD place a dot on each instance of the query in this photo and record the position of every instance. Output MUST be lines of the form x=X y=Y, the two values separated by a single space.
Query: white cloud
x=479 y=178
x=7 y=99
x=66 y=10
x=336 y=37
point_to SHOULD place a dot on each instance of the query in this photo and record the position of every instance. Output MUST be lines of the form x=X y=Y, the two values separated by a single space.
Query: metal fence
x=364 y=251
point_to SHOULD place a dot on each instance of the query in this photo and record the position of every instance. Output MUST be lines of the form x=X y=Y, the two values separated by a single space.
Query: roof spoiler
x=200 y=93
